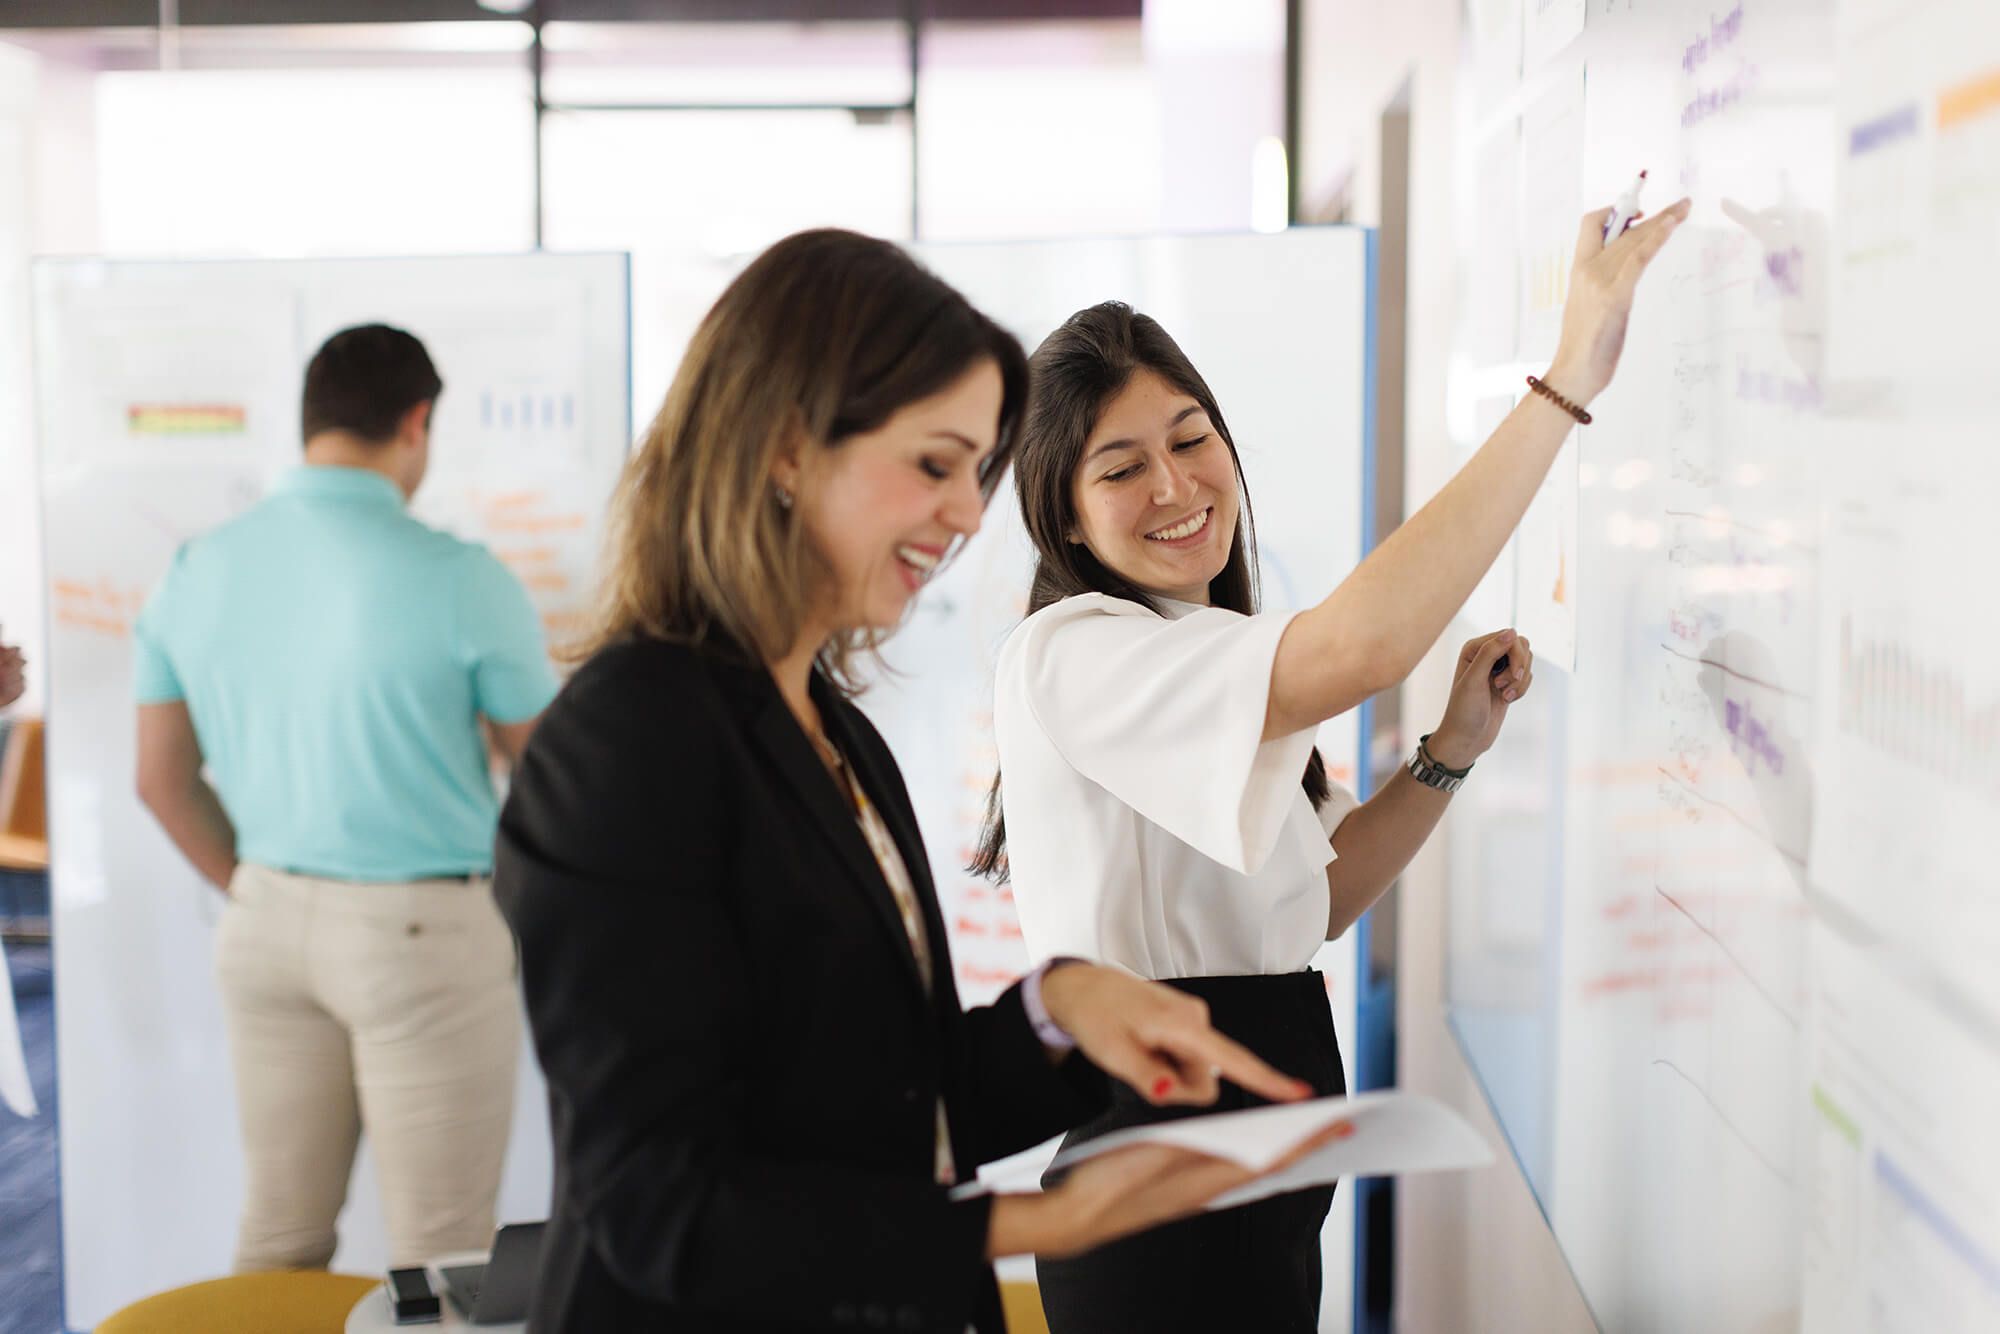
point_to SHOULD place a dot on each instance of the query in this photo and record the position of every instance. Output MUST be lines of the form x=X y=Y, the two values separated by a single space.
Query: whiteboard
x=168 y=401
x=1279 y=326
x=1721 y=920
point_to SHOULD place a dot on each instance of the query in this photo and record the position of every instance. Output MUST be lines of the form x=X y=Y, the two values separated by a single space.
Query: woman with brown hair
x=762 y=1088
x=1164 y=809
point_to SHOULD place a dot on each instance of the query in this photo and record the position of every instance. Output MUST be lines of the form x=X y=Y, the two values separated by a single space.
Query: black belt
x=450 y=877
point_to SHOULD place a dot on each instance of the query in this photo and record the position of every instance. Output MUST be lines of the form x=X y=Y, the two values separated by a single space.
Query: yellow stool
x=296 y=1301
x=24 y=811
x=1022 y=1303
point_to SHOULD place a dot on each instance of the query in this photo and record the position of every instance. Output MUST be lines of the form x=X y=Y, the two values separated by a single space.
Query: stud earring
x=784 y=498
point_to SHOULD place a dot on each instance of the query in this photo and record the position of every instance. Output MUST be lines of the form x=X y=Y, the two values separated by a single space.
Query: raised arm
x=1373 y=629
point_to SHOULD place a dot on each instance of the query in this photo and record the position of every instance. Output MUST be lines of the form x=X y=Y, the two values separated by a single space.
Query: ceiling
x=201 y=13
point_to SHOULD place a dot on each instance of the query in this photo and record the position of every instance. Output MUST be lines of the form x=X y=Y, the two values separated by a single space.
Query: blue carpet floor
x=30 y=1237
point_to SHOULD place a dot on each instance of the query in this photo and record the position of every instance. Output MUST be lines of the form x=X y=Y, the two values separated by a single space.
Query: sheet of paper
x=1551 y=196
x=1545 y=564
x=1496 y=26
x=1393 y=1132
x=1491 y=606
x=1494 y=275
x=1552 y=26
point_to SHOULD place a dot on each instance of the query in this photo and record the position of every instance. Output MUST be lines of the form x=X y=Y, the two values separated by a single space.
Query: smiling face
x=1155 y=491
x=883 y=507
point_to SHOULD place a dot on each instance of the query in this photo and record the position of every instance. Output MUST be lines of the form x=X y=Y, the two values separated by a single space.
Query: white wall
x=1220 y=72
x=279 y=163
x=1473 y=1252
x=1037 y=130
x=1108 y=128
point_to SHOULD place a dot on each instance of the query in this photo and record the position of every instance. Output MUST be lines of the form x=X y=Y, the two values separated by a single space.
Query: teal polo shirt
x=336 y=655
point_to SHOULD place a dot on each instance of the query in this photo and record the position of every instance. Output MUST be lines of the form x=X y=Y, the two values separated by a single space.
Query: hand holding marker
x=1625 y=211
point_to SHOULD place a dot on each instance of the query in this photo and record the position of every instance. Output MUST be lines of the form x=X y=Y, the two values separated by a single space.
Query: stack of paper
x=1392 y=1133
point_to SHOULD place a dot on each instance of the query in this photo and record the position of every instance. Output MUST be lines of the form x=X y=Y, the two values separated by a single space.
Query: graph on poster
x=1721 y=917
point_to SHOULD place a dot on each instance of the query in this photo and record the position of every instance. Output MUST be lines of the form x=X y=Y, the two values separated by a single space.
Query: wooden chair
x=24 y=811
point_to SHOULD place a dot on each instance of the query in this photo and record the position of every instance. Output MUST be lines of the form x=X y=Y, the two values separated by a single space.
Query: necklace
x=829 y=754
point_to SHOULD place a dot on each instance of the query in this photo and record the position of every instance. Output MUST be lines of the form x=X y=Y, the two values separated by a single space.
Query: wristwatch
x=1430 y=773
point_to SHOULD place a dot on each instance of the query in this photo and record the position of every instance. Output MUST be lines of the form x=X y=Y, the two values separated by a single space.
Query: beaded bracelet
x=1572 y=409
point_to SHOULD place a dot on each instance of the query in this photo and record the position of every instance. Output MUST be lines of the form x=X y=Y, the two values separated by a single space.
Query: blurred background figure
x=311 y=680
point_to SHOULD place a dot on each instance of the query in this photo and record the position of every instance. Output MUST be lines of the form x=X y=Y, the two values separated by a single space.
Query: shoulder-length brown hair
x=823 y=337
x=1073 y=375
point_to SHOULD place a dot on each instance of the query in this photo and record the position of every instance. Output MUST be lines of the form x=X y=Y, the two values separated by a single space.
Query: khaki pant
x=389 y=1006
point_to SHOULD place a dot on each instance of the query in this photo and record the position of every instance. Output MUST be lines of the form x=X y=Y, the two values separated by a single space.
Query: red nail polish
x=1343 y=1130
x=1162 y=1087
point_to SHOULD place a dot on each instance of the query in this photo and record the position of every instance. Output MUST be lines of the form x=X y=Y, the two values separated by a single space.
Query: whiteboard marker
x=1624 y=211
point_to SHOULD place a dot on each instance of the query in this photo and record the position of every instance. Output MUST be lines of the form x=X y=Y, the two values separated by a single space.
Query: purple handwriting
x=1749 y=734
x=1799 y=393
x=1712 y=102
x=1884 y=130
x=1722 y=33
x=1787 y=270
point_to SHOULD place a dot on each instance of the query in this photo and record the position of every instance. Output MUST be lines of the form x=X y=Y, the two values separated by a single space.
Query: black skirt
x=1255 y=1268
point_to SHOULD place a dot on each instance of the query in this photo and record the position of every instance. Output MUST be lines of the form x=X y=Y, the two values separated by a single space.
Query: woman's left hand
x=1155 y=1038
x=1480 y=696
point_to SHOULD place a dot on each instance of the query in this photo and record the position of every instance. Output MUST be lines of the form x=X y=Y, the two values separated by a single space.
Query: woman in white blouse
x=1164 y=808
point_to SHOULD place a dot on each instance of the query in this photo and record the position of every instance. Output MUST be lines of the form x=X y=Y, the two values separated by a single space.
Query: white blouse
x=1148 y=823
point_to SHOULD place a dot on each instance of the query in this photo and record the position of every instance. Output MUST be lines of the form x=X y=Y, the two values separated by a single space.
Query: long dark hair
x=826 y=334
x=1076 y=371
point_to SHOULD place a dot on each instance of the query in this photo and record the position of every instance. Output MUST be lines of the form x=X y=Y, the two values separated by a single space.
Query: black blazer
x=742 y=1059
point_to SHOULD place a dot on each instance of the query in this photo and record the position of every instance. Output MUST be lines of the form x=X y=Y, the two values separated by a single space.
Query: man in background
x=312 y=679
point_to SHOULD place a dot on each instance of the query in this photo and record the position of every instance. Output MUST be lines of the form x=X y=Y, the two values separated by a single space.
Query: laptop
x=496 y=1293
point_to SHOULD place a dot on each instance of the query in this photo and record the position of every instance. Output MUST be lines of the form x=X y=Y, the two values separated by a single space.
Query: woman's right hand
x=1602 y=281
x=1154 y=1038
x=1125 y=1191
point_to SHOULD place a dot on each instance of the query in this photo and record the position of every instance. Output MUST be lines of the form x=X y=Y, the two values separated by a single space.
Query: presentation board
x=1280 y=327
x=168 y=397
x=1721 y=926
